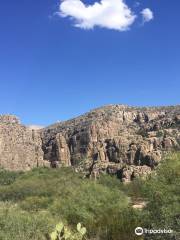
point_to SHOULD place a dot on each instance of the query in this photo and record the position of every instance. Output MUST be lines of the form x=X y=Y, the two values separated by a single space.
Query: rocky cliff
x=121 y=140
x=118 y=139
x=20 y=147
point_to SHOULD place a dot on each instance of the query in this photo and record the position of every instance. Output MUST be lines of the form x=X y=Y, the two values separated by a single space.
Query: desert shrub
x=40 y=182
x=120 y=225
x=19 y=225
x=8 y=177
x=35 y=203
x=40 y=198
x=109 y=181
x=88 y=203
x=163 y=193
x=67 y=196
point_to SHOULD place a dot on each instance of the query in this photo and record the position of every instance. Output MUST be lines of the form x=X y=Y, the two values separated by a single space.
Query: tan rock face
x=20 y=148
x=131 y=172
x=63 y=153
x=110 y=138
x=115 y=134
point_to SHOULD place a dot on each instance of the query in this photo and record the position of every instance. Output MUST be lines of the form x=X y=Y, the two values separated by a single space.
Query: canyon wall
x=20 y=147
x=114 y=137
x=118 y=139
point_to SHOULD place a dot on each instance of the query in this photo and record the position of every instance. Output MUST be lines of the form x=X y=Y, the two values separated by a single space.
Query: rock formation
x=124 y=140
x=20 y=147
x=121 y=140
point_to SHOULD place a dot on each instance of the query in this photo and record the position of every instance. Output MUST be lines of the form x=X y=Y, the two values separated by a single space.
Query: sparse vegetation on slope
x=32 y=203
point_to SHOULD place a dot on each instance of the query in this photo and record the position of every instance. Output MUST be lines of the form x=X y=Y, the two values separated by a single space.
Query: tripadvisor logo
x=140 y=231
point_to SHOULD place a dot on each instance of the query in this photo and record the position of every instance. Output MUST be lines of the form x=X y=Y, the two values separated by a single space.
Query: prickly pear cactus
x=81 y=230
x=62 y=232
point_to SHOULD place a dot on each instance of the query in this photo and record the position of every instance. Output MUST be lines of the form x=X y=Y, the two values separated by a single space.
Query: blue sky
x=51 y=70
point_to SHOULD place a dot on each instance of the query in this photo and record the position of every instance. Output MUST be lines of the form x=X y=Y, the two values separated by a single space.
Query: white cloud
x=111 y=14
x=147 y=15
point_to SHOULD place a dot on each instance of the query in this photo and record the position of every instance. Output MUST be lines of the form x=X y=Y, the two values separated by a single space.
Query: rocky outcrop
x=131 y=172
x=115 y=135
x=20 y=147
x=121 y=140
x=63 y=152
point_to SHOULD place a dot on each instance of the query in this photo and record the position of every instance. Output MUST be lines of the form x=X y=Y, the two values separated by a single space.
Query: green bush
x=33 y=202
x=163 y=194
x=8 y=177
x=88 y=203
x=20 y=225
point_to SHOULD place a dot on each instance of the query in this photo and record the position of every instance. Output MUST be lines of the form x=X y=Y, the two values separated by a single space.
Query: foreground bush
x=163 y=193
x=33 y=203
x=7 y=177
x=16 y=224
x=65 y=195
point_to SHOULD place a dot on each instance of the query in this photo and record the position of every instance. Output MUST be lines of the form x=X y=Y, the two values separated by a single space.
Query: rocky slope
x=20 y=147
x=118 y=139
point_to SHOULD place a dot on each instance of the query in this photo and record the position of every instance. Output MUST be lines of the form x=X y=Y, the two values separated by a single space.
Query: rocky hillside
x=20 y=147
x=118 y=139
